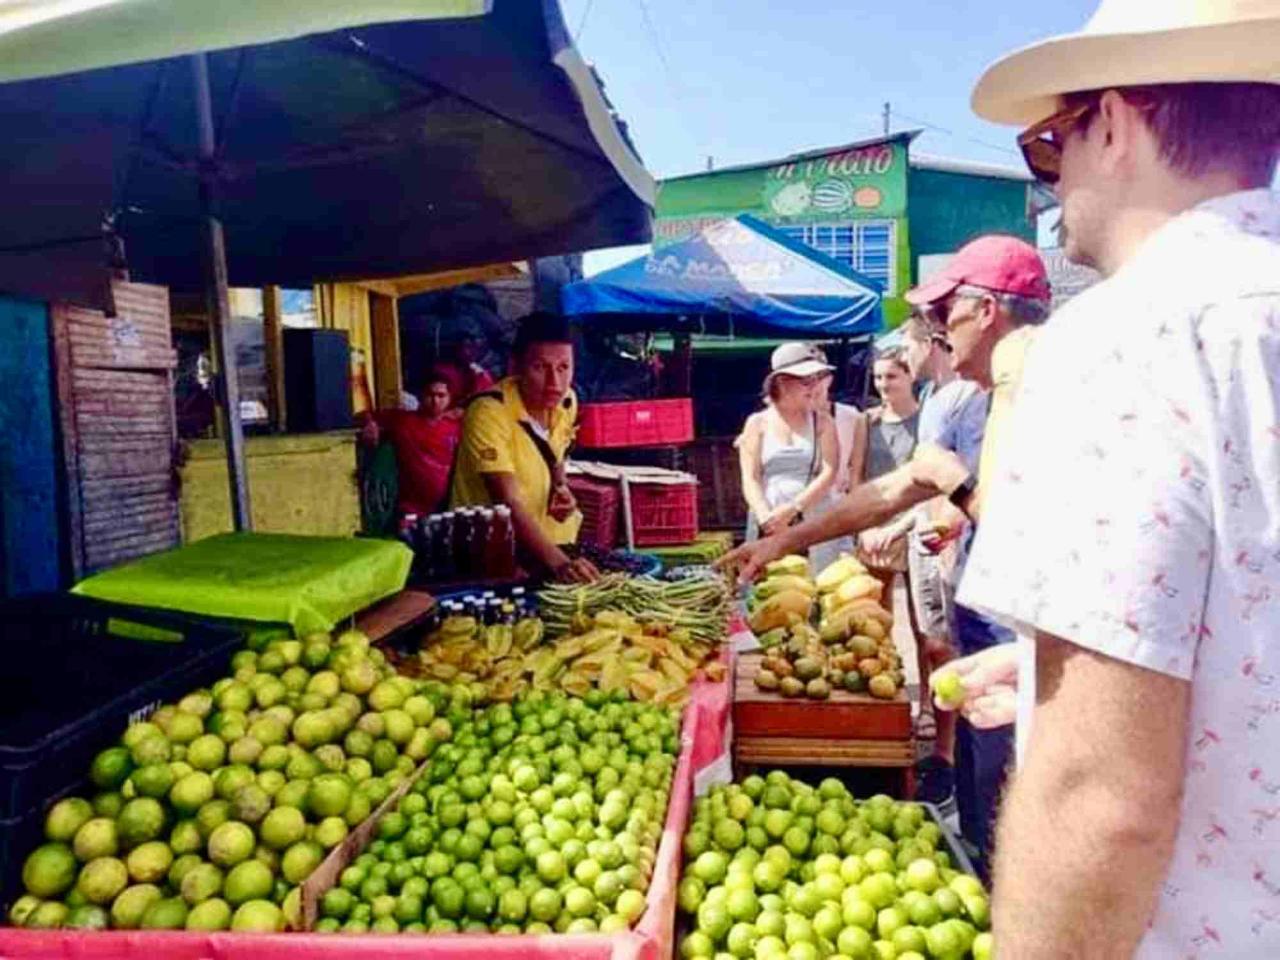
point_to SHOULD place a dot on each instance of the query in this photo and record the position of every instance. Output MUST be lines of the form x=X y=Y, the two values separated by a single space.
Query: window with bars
x=868 y=246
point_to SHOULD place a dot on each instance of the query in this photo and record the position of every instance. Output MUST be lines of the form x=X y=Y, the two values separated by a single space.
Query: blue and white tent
x=739 y=273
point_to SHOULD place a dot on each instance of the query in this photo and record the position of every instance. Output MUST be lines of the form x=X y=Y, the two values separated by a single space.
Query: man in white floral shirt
x=1132 y=533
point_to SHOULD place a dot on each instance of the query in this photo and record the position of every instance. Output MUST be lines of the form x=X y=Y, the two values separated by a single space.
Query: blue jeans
x=982 y=756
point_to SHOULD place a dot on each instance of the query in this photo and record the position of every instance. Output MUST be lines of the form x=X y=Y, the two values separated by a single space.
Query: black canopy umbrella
x=380 y=148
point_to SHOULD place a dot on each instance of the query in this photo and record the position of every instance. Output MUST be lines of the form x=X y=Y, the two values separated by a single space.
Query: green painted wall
x=948 y=210
x=936 y=211
x=865 y=183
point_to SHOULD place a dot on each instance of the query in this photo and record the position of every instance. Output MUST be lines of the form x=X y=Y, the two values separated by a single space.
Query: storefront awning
x=353 y=141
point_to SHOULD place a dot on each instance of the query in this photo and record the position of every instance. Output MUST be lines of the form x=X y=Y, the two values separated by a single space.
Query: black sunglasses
x=1041 y=144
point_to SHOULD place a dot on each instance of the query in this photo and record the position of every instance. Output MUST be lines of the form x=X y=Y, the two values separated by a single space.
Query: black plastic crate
x=77 y=671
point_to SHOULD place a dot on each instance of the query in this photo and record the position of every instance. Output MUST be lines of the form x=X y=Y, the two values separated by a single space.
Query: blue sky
x=750 y=80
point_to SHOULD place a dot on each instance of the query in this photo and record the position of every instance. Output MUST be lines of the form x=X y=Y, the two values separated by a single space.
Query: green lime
x=230 y=843
x=258 y=916
x=854 y=942
x=49 y=915
x=201 y=883
x=710 y=867
x=551 y=867
x=329 y=795
x=128 y=908
x=108 y=804
x=149 y=862
x=101 y=880
x=98 y=837
x=330 y=832
x=250 y=804
x=50 y=870
x=545 y=904
x=212 y=815
x=22 y=908
x=151 y=749
x=65 y=818
x=88 y=917
x=697 y=946
x=250 y=880
x=301 y=860
x=210 y=916
x=168 y=914
x=182 y=866
x=111 y=768
x=191 y=792
x=944 y=941
x=714 y=920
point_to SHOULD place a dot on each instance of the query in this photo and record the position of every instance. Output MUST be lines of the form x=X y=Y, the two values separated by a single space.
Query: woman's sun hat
x=795 y=360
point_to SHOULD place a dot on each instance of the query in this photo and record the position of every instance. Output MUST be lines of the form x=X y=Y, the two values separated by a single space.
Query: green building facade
x=871 y=205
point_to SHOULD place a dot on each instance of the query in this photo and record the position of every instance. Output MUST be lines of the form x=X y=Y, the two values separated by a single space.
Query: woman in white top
x=788 y=451
x=851 y=451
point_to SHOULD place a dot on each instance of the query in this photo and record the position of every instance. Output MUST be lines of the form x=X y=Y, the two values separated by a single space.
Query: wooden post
x=273 y=340
x=384 y=315
x=218 y=299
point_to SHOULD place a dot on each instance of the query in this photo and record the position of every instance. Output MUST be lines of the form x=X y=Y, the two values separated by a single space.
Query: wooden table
x=384 y=621
x=847 y=730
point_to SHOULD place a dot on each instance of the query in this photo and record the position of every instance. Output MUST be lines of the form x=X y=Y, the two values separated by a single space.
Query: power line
x=657 y=46
x=951 y=133
x=582 y=21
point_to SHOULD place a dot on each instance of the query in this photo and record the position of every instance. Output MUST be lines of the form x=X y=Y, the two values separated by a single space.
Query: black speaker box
x=317 y=380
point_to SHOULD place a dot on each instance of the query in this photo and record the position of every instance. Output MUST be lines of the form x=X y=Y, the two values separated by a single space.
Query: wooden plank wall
x=116 y=404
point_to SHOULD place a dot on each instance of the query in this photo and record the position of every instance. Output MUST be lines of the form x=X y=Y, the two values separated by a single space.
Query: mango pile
x=851 y=648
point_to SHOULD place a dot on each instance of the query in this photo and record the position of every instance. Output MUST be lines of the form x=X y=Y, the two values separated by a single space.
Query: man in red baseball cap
x=986 y=302
x=992 y=287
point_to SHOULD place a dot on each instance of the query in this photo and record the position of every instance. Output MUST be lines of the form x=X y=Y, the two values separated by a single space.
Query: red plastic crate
x=636 y=423
x=663 y=514
x=600 y=503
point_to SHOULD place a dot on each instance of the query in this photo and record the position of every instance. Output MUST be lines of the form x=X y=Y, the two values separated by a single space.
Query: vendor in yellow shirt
x=514 y=442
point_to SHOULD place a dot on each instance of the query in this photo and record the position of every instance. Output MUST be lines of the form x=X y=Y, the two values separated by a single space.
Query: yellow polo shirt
x=495 y=441
x=1007 y=360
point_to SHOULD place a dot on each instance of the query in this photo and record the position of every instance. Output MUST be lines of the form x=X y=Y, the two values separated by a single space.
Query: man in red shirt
x=424 y=441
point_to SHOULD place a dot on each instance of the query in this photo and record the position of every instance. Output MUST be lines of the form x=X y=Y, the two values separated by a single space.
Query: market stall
x=739 y=278
x=200 y=151
x=553 y=767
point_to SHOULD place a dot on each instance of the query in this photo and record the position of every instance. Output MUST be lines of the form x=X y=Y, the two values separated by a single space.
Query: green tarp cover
x=310 y=583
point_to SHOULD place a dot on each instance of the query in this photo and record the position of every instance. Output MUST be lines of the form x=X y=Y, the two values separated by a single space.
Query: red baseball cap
x=995 y=262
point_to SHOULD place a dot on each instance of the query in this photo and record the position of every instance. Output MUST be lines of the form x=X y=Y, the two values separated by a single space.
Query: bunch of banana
x=784 y=597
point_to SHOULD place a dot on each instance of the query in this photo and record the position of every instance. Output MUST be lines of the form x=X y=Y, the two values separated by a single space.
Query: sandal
x=926 y=726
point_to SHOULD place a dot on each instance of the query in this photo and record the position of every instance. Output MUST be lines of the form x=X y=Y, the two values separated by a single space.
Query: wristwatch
x=961 y=494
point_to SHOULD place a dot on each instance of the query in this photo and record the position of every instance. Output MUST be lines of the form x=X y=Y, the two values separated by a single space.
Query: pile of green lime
x=776 y=868
x=540 y=815
x=212 y=812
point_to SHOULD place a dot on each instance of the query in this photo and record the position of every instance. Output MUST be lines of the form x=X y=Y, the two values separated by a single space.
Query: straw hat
x=1131 y=43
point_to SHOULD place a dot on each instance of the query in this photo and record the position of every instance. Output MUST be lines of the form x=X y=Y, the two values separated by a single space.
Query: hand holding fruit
x=750 y=558
x=983 y=686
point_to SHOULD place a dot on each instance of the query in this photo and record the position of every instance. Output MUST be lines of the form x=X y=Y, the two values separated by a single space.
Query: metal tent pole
x=217 y=299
